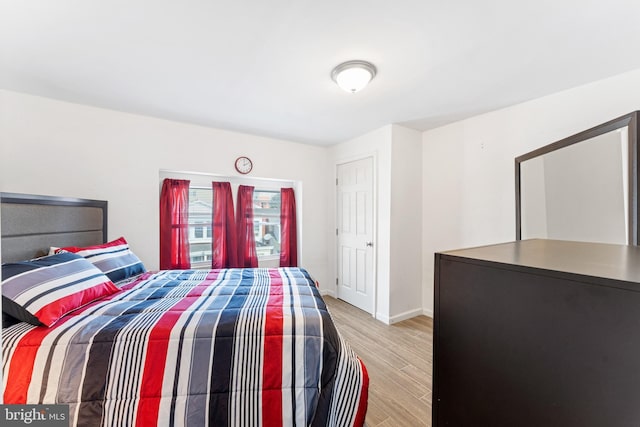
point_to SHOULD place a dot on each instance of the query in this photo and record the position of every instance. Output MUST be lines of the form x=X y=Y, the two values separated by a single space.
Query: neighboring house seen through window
x=200 y=202
x=266 y=224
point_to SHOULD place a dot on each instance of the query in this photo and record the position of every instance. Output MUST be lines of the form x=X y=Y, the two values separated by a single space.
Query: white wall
x=468 y=166
x=64 y=149
x=406 y=224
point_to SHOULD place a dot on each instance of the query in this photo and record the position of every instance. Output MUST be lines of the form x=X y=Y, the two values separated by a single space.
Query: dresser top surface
x=617 y=262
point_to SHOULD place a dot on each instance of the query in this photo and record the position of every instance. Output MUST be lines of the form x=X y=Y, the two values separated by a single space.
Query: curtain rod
x=226 y=177
x=200 y=187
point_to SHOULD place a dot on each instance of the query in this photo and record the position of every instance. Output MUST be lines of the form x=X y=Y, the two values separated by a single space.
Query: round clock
x=244 y=165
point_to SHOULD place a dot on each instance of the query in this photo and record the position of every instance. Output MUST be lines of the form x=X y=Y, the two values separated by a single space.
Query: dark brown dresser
x=537 y=333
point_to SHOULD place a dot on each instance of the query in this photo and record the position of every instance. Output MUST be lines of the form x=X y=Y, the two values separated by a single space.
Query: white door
x=355 y=233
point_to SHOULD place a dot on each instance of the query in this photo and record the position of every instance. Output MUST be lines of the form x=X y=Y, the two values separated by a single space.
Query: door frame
x=374 y=259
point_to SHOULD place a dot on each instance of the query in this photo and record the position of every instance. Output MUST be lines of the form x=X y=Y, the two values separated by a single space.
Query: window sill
x=269 y=258
x=201 y=266
x=207 y=265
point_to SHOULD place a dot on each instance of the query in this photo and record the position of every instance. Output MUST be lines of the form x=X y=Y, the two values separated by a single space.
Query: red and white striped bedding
x=237 y=347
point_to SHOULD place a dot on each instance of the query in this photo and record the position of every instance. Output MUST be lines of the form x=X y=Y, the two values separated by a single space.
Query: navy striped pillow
x=115 y=259
x=42 y=290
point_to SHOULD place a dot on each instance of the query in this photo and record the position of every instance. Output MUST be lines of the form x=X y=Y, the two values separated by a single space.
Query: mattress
x=229 y=347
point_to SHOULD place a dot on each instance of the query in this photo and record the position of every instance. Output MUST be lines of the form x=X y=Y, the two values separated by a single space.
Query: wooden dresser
x=537 y=333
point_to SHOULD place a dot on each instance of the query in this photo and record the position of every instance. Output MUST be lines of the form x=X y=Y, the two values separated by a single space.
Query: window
x=266 y=227
x=200 y=205
x=266 y=222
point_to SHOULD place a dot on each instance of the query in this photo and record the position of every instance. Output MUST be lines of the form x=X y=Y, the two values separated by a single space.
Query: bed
x=239 y=347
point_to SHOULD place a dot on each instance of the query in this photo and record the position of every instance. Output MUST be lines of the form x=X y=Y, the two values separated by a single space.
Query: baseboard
x=393 y=319
x=404 y=316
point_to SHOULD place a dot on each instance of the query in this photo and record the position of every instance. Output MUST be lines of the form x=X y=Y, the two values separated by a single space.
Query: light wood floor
x=398 y=359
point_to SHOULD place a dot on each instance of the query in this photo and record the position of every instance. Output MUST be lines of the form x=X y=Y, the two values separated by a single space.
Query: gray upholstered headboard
x=31 y=224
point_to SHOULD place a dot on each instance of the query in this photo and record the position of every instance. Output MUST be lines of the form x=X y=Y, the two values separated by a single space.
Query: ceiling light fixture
x=353 y=76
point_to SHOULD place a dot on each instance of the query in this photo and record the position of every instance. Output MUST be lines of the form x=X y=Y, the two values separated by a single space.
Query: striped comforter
x=237 y=347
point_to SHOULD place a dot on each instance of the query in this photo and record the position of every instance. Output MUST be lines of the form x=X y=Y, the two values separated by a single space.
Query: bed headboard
x=31 y=224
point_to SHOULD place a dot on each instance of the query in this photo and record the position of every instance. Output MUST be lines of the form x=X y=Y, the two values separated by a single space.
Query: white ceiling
x=263 y=66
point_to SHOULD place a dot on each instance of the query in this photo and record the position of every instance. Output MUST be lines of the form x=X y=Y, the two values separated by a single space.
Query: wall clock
x=244 y=165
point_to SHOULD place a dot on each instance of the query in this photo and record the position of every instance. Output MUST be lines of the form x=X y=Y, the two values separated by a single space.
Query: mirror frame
x=629 y=120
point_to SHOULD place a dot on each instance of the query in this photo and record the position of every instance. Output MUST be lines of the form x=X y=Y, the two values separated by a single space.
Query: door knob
x=369 y=244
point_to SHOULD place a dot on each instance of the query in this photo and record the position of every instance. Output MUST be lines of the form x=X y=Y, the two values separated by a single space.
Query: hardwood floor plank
x=375 y=414
x=398 y=358
x=420 y=375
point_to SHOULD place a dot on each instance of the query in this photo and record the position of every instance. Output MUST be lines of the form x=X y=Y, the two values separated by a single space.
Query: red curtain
x=224 y=242
x=288 y=230
x=247 y=256
x=174 y=224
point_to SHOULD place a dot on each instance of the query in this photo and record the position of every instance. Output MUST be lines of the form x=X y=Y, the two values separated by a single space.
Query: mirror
x=581 y=188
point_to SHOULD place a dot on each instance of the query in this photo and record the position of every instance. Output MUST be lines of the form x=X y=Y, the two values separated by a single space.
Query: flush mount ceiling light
x=353 y=76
